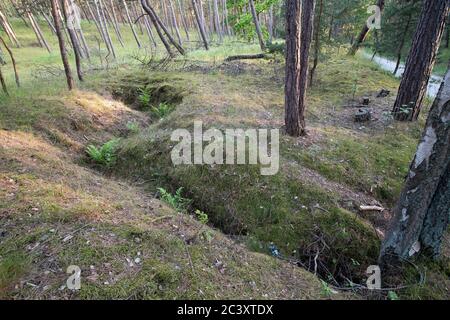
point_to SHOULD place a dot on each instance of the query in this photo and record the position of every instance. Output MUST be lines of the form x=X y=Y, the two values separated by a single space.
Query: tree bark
x=151 y=14
x=257 y=25
x=423 y=210
x=73 y=39
x=421 y=59
x=62 y=47
x=307 y=16
x=130 y=22
x=292 y=83
x=200 y=24
x=11 y=55
x=364 y=32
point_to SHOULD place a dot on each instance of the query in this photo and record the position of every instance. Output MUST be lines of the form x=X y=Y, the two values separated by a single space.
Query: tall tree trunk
x=421 y=59
x=62 y=47
x=402 y=44
x=201 y=26
x=38 y=32
x=270 y=25
x=292 y=87
x=175 y=22
x=9 y=30
x=307 y=16
x=316 y=44
x=257 y=25
x=130 y=22
x=216 y=16
x=183 y=19
x=363 y=34
x=423 y=210
x=73 y=39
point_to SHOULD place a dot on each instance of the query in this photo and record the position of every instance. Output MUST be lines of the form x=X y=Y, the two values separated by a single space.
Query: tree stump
x=363 y=115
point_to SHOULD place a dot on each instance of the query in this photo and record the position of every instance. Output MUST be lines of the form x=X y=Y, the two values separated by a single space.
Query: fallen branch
x=246 y=57
x=371 y=208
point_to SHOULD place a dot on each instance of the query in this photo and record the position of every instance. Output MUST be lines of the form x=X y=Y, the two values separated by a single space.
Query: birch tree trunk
x=423 y=210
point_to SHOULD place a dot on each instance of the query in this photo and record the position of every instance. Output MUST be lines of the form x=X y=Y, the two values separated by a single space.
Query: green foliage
x=105 y=155
x=162 y=110
x=144 y=98
x=176 y=201
x=392 y=295
x=201 y=216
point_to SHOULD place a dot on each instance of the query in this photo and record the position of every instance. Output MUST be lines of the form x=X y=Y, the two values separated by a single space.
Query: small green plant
x=105 y=155
x=201 y=216
x=144 y=97
x=162 y=110
x=133 y=127
x=326 y=289
x=176 y=200
x=392 y=295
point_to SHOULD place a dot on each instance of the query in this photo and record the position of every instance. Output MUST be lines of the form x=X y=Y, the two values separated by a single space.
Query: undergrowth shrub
x=176 y=201
x=105 y=155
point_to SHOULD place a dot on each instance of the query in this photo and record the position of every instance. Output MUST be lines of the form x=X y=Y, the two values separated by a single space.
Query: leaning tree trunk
x=62 y=47
x=200 y=24
x=130 y=22
x=423 y=210
x=363 y=34
x=9 y=30
x=294 y=121
x=73 y=38
x=154 y=20
x=257 y=25
x=157 y=21
x=421 y=59
x=13 y=61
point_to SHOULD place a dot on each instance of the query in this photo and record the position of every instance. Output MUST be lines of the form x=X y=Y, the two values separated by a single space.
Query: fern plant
x=105 y=155
x=162 y=110
x=176 y=200
x=144 y=97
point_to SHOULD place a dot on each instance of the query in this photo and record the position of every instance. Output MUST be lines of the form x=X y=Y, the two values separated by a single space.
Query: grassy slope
x=288 y=209
x=48 y=195
x=284 y=209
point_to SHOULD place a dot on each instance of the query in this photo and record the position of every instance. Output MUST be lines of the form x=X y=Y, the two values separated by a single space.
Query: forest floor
x=58 y=208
